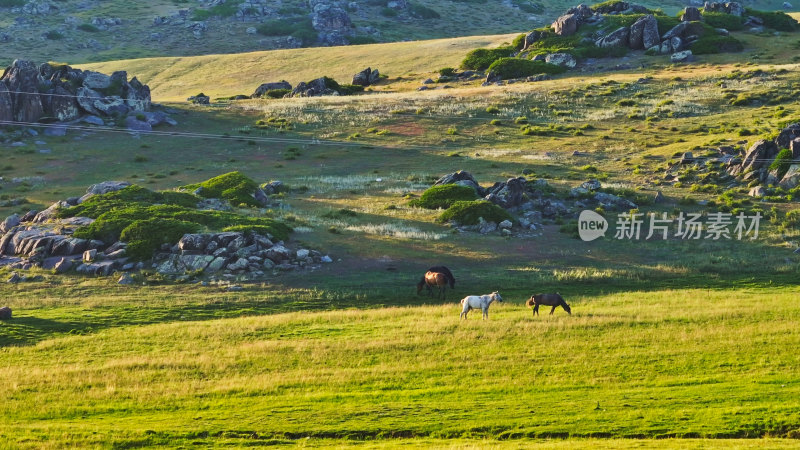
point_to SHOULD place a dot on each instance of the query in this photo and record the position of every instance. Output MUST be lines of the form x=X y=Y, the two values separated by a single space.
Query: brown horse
x=553 y=300
x=435 y=279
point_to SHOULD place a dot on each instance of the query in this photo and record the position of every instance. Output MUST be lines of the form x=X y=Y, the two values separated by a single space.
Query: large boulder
x=315 y=88
x=561 y=59
x=332 y=23
x=103 y=188
x=61 y=105
x=732 y=8
x=691 y=14
x=462 y=178
x=366 y=77
x=792 y=177
x=565 y=25
x=644 y=33
x=617 y=38
x=682 y=56
x=508 y=194
x=5 y=313
x=787 y=135
x=266 y=87
x=759 y=155
x=6 y=104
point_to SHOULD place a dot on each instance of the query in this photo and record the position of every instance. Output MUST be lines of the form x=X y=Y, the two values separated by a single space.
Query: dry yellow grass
x=176 y=78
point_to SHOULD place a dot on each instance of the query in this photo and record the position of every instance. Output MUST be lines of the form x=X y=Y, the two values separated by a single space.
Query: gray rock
x=5 y=313
x=691 y=14
x=591 y=185
x=302 y=253
x=644 y=33
x=89 y=255
x=508 y=194
x=787 y=135
x=506 y=224
x=487 y=227
x=687 y=158
x=683 y=56
x=63 y=265
x=565 y=25
x=366 y=77
x=240 y=264
x=103 y=188
x=266 y=87
x=96 y=80
x=14 y=278
x=660 y=198
x=561 y=59
x=326 y=259
x=56 y=130
x=194 y=242
x=757 y=191
x=10 y=222
x=792 y=177
x=92 y=120
x=126 y=279
x=332 y=23
x=617 y=38
x=200 y=99
x=463 y=178
x=134 y=124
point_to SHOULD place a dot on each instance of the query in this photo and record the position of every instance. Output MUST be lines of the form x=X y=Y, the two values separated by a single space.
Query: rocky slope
x=93 y=30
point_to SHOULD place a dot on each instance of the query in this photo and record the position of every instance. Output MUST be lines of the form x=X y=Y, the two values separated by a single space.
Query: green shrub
x=233 y=186
x=350 y=89
x=388 y=12
x=782 y=162
x=723 y=20
x=299 y=27
x=88 y=28
x=132 y=195
x=447 y=71
x=422 y=11
x=144 y=237
x=528 y=6
x=777 y=20
x=470 y=212
x=277 y=93
x=666 y=23
x=53 y=35
x=517 y=68
x=519 y=42
x=222 y=10
x=482 y=58
x=716 y=44
x=443 y=196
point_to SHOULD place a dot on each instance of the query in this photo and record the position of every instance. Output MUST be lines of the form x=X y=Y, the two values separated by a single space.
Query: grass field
x=643 y=364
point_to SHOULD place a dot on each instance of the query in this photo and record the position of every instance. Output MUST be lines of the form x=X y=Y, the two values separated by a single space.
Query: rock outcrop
x=49 y=92
x=266 y=87
x=331 y=22
x=366 y=77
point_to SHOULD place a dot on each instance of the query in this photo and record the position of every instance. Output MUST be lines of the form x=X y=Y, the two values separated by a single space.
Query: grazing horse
x=433 y=279
x=479 y=301
x=438 y=276
x=553 y=300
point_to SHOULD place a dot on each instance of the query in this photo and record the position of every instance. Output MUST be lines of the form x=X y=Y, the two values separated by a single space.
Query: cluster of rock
x=642 y=35
x=315 y=88
x=366 y=77
x=233 y=254
x=331 y=21
x=40 y=239
x=531 y=202
x=755 y=164
x=32 y=93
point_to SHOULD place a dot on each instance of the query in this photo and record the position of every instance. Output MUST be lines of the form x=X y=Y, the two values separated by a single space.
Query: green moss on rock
x=470 y=213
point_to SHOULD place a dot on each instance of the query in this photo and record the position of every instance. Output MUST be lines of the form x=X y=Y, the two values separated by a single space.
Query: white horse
x=479 y=301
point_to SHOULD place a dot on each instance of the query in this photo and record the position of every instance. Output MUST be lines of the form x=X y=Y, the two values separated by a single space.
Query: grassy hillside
x=658 y=364
x=68 y=34
x=217 y=75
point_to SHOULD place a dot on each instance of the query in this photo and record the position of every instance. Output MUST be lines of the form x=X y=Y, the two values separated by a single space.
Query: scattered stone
x=200 y=99
x=684 y=56
x=504 y=225
x=757 y=191
x=266 y=87
x=5 y=313
x=14 y=278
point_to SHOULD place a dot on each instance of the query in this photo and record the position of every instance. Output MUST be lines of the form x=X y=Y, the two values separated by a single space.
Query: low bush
x=233 y=186
x=350 y=89
x=470 y=213
x=707 y=45
x=144 y=237
x=519 y=42
x=508 y=68
x=443 y=196
x=221 y=10
x=782 y=162
x=422 y=11
x=53 y=35
x=723 y=20
x=88 y=28
x=482 y=58
x=777 y=20
x=299 y=27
